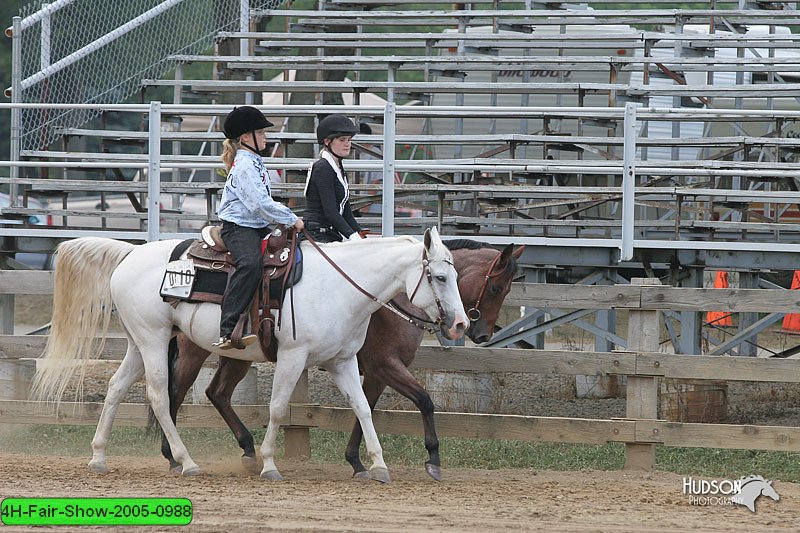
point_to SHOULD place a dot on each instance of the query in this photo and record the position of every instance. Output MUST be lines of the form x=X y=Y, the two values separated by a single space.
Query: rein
x=474 y=314
x=394 y=310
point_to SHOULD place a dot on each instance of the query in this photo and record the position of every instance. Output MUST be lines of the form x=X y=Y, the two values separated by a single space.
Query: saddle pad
x=208 y=286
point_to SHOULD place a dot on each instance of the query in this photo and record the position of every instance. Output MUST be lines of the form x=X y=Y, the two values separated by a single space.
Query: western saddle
x=282 y=268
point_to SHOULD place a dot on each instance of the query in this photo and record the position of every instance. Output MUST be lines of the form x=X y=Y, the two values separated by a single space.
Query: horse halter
x=474 y=314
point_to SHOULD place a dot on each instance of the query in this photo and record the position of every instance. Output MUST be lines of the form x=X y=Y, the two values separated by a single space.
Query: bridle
x=426 y=271
x=408 y=317
x=474 y=314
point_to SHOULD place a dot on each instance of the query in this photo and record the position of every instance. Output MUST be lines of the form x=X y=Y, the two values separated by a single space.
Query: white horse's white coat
x=331 y=316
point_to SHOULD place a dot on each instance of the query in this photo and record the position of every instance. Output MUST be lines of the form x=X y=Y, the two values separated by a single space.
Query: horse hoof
x=176 y=469
x=250 y=464
x=435 y=471
x=379 y=474
x=361 y=476
x=98 y=468
x=192 y=471
x=272 y=475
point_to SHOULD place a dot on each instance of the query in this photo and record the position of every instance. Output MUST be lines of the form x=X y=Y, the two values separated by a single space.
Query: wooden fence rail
x=644 y=366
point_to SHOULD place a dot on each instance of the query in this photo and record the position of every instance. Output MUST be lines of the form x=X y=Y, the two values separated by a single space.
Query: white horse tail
x=82 y=307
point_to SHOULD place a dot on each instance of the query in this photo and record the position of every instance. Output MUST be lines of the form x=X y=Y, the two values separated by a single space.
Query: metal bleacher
x=509 y=127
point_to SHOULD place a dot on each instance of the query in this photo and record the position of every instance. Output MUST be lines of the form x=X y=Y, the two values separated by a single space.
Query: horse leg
x=345 y=374
x=186 y=359
x=372 y=390
x=229 y=373
x=395 y=374
x=287 y=371
x=130 y=370
x=157 y=375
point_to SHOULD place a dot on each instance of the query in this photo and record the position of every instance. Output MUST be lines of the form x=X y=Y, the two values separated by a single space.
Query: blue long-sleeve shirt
x=246 y=198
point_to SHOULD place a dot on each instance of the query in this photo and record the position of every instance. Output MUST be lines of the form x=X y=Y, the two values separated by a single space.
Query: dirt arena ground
x=323 y=497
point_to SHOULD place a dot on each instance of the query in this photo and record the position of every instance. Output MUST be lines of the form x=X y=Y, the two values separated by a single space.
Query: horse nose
x=458 y=329
x=480 y=339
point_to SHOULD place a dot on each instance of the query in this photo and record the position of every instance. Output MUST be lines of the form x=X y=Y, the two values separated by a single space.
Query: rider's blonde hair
x=229 y=148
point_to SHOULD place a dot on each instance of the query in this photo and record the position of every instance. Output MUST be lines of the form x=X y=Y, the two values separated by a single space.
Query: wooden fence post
x=642 y=391
x=297 y=440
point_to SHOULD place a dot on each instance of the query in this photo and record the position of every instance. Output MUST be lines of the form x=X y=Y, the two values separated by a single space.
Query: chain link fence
x=98 y=51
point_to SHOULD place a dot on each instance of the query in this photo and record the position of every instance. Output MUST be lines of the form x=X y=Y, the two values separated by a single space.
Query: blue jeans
x=245 y=246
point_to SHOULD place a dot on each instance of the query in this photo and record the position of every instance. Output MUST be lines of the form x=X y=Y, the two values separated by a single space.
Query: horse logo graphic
x=752 y=488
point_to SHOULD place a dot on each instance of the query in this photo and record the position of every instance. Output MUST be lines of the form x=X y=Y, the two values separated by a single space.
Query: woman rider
x=246 y=210
x=328 y=214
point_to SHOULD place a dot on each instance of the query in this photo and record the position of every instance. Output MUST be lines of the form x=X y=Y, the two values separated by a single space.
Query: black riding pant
x=245 y=246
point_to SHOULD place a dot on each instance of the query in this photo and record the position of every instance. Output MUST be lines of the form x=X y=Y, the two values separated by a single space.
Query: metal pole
x=45 y=39
x=45 y=11
x=154 y=172
x=628 y=182
x=387 y=220
x=244 y=25
x=16 y=98
x=99 y=43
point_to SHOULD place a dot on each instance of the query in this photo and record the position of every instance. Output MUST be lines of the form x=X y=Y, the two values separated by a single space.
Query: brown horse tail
x=82 y=307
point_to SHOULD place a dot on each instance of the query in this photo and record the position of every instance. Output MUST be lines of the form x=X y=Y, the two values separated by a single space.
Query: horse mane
x=748 y=479
x=466 y=244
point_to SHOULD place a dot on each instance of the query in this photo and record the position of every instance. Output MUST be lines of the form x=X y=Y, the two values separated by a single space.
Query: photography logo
x=744 y=491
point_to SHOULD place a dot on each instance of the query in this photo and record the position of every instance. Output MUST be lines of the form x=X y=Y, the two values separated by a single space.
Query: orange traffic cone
x=791 y=322
x=720 y=318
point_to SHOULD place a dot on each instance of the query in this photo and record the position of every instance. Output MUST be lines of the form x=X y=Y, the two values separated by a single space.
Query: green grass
x=328 y=447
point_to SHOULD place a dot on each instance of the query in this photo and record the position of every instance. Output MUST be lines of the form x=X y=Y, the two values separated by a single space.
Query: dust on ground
x=323 y=497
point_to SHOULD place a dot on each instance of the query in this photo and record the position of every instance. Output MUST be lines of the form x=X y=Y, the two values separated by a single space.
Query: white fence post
x=628 y=182
x=154 y=173
x=387 y=219
x=44 y=60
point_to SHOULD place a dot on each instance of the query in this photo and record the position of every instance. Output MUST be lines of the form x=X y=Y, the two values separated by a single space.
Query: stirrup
x=249 y=339
x=224 y=343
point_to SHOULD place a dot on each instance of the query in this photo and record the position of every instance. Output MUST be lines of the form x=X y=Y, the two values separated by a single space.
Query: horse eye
x=494 y=289
x=441 y=278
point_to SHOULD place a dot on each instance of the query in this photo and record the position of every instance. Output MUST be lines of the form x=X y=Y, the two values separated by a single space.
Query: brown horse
x=484 y=280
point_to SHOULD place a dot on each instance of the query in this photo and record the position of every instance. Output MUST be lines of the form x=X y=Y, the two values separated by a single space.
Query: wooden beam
x=474 y=426
x=128 y=414
x=736 y=300
x=32 y=346
x=728 y=436
x=574 y=296
x=26 y=282
x=718 y=367
x=522 y=360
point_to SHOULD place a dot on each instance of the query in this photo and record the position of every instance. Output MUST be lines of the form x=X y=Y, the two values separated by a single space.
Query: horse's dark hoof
x=272 y=475
x=379 y=474
x=362 y=476
x=250 y=464
x=435 y=471
x=176 y=469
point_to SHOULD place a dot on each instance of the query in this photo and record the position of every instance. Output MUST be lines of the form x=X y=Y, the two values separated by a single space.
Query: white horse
x=93 y=274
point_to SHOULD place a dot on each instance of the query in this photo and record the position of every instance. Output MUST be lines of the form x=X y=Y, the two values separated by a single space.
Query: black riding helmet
x=335 y=126
x=243 y=119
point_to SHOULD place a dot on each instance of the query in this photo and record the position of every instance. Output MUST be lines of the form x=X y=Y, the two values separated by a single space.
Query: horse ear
x=427 y=239
x=505 y=255
x=518 y=251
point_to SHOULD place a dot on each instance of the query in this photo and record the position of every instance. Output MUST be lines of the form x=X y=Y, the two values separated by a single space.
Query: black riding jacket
x=325 y=200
